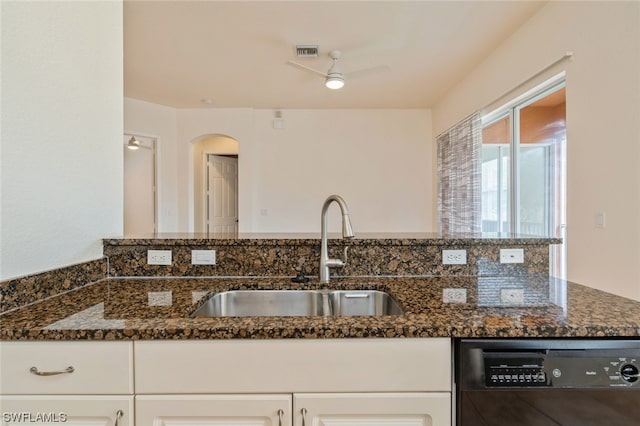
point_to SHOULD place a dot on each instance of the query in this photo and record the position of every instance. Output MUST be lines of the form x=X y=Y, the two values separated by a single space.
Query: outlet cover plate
x=511 y=255
x=158 y=257
x=454 y=295
x=203 y=257
x=160 y=298
x=454 y=257
x=512 y=296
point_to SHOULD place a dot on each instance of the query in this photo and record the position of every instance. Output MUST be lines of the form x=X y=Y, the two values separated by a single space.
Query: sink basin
x=363 y=302
x=287 y=303
x=255 y=303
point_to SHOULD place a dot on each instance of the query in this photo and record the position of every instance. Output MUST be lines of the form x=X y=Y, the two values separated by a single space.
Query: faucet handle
x=335 y=263
x=338 y=263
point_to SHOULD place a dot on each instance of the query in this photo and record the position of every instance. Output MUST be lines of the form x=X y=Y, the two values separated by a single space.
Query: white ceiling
x=235 y=52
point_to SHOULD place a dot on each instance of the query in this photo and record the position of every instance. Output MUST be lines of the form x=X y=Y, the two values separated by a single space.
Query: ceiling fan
x=334 y=78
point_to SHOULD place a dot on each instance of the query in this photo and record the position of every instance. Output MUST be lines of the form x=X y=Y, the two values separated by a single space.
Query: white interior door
x=222 y=194
x=139 y=188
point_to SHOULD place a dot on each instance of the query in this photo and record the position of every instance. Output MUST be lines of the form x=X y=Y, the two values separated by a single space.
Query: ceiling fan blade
x=306 y=68
x=367 y=71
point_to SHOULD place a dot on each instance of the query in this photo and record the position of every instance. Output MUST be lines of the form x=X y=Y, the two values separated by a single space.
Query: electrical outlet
x=511 y=255
x=158 y=257
x=454 y=295
x=454 y=257
x=203 y=257
x=512 y=296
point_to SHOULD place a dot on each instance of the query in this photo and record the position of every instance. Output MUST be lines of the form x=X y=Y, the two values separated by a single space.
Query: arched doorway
x=216 y=163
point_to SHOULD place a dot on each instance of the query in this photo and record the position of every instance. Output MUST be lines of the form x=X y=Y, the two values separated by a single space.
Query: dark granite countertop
x=160 y=308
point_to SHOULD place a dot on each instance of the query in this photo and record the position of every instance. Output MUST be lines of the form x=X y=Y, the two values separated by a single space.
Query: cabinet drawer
x=293 y=365
x=98 y=367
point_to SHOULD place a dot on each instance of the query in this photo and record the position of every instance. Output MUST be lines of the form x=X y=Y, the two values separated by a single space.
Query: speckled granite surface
x=160 y=308
x=377 y=254
x=23 y=291
x=369 y=254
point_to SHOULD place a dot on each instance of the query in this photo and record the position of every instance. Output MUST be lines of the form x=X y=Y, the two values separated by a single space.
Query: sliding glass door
x=524 y=169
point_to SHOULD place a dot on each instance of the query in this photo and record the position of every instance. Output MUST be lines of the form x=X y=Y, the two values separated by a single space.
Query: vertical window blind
x=459 y=152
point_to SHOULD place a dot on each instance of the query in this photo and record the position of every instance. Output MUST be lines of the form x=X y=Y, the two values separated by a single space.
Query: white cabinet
x=380 y=409
x=77 y=383
x=335 y=382
x=322 y=409
x=213 y=410
x=318 y=409
x=77 y=410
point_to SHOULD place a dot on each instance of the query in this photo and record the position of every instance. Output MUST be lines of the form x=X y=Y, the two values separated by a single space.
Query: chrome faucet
x=347 y=232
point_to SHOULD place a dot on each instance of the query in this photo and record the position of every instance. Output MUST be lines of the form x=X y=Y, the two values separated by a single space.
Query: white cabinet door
x=69 y=410
x=379 y=409
x=213 y=410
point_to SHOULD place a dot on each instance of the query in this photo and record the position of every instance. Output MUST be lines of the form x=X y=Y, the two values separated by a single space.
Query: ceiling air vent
x=306 y=50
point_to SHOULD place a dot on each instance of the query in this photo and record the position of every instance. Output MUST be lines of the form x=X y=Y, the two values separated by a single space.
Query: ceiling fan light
x=334 y=82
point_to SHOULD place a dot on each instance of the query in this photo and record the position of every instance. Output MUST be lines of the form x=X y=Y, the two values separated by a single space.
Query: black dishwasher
x=542 y=382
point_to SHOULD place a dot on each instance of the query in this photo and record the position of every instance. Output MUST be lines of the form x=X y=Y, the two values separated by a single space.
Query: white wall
x=147 y=119
x=61 y=133
x=603 y=129
x=379 y=160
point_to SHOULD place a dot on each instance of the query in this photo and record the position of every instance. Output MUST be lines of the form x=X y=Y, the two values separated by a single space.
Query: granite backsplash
x=365 y=257
x=23 y=291
x=407 y=255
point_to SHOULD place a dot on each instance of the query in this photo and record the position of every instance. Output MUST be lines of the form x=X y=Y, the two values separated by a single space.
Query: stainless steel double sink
x=252 y=303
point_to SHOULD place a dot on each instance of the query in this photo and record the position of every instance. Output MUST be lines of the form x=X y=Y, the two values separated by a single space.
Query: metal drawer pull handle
x=119 y=415
x=280 y=414
x=303 y=412
x=34 y=370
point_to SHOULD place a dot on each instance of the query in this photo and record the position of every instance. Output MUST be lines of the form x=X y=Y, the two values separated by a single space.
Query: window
x=524 y=169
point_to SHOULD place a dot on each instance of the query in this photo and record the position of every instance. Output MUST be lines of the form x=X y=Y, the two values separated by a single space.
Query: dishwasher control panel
x=562 y=369
x=599 y=370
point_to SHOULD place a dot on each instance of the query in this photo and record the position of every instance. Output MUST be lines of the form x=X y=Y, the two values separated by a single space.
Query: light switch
x=203 y=257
